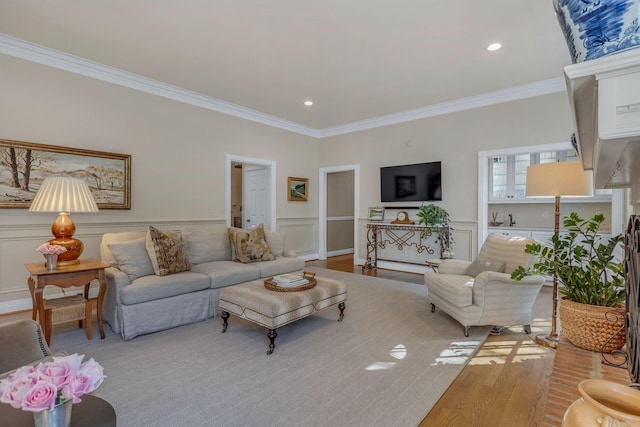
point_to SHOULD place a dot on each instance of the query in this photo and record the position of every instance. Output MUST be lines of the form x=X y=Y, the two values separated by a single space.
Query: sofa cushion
x=226 y=273
x=250 y=246
x=279 y=266
x=480 y=265
x=132 y=257
x=206 y=245
x=454 y=288
x=107 y=238
x=166 y=252
x=149 y=288
x=276 y=241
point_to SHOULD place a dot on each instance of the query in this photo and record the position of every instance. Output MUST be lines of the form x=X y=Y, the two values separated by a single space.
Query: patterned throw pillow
x=479 y=265
x=250 y=245
x=166 y=252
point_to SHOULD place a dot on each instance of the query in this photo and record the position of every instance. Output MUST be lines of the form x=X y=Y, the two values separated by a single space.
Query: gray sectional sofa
x=138 y=301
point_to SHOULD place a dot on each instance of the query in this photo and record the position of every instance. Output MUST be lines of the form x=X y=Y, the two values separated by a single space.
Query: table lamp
x=64 y=195
x=566 y=179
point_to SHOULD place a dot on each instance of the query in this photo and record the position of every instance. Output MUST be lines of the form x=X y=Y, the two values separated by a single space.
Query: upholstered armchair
x=21 y=343
x=482 y=292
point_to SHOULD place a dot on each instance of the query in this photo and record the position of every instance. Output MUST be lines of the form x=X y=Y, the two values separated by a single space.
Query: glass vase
x=59 y=416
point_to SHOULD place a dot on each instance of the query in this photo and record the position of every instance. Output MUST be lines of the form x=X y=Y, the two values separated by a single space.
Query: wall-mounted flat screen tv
x=420 y=182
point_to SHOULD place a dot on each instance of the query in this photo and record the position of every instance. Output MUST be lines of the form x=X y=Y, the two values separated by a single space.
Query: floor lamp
x=64 y=195
x=559 y=179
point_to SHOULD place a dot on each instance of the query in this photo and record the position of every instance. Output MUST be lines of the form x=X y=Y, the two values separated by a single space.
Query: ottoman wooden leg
x=341 y=307
x=272 y=338
x=225 y=316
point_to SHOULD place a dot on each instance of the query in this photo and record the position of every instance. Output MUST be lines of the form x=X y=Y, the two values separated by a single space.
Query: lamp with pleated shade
x=64 y=195
x=559 y=179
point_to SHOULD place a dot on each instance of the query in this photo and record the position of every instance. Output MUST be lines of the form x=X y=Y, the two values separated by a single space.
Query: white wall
x=178 y=158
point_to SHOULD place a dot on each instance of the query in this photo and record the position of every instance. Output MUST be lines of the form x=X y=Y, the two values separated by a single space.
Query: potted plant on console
x=437 y=220
x=592 y=280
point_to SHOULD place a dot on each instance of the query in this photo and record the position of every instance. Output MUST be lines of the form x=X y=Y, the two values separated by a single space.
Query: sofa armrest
x=289 y=253
x=453 y=266
x=497 y=281
x=116 y=280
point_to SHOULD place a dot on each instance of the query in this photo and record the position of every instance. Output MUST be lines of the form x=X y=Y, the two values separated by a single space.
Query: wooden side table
x=71 y=275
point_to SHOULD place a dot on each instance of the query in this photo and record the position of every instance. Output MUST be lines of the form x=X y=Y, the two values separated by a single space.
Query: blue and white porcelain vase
x=596 y=28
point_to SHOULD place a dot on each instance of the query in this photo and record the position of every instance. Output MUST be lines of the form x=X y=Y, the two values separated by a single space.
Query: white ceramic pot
x=604 y=403
x=595 y=28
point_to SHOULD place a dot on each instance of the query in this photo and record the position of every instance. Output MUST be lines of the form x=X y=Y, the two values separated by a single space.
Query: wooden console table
x=80 y=274
x=381 y=234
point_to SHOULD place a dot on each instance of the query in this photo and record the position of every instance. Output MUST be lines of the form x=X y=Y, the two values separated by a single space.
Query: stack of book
x=290 y=280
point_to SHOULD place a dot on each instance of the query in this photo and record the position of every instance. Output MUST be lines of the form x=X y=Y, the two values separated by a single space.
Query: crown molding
x=543 y=87
x=53 y=58
x=74 y=64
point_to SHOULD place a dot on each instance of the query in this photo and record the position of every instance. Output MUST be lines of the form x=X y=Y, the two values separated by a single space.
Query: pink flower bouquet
x=49 y=249
x=48 y=384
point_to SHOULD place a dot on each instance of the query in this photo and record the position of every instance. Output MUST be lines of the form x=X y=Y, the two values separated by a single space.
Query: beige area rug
x=386 y=364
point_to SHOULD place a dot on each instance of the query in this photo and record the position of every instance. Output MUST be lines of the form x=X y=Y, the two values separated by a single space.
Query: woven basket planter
x=589 y=326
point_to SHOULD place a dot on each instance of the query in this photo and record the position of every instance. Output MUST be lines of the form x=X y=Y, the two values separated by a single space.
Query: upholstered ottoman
x=273 y=309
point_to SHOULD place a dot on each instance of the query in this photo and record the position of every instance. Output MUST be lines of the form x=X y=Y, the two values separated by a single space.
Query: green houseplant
x=591 y=278
x=437 y=217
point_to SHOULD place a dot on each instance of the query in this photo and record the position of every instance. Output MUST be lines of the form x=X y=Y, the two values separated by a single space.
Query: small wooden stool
x=67 y=309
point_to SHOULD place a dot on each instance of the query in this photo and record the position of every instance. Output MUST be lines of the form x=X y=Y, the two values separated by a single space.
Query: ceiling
x=358 y=60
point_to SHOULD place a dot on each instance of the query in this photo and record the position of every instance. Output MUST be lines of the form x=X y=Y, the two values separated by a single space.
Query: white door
x=255 y=195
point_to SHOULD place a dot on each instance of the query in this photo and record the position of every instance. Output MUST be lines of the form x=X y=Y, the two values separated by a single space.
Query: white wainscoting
x=302 y=235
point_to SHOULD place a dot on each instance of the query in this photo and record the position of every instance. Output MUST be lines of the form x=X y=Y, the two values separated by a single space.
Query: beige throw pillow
x=479 y=265
x=250 y=245
x=166 y=252
x=132 y=258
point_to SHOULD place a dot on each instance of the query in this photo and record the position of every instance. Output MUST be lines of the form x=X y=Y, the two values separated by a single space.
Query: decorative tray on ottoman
x=291 y=282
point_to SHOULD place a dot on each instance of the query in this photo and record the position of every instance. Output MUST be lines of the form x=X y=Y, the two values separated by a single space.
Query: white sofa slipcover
x=139 y=302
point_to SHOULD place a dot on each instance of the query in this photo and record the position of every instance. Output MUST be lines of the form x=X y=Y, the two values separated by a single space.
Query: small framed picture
x=376 y=214
x=298 y=189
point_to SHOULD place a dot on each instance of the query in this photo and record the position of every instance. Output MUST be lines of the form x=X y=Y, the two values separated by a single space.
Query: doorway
x=257 y=188
x=324 y=194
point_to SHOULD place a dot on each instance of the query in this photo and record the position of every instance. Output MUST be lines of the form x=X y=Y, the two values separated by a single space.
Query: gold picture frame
x=376 y=214
x=298 y=189
x=24 y=165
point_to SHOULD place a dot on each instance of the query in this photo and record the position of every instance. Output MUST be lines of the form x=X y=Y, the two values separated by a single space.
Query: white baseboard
x=340 y=252
x=399 y=266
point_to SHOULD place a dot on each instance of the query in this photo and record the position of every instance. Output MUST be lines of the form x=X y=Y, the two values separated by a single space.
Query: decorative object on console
x=495 y=222
x=402 y=218
x=557 y=179
x=376 y=214
x=64 y=195
x=435 y=216
x=594 y=29
x=297 y=189
x=593 y=284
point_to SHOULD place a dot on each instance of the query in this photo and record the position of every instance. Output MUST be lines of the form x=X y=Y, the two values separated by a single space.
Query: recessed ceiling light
x=494 y=46
x=308 y=103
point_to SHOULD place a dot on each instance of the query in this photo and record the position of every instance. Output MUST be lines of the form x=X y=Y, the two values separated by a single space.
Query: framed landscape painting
x=24 y=165
x=298 y=188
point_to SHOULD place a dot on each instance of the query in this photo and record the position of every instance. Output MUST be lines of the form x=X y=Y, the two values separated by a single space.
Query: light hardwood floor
x=504 y=384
